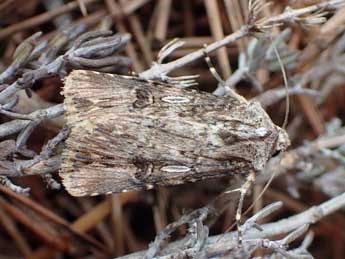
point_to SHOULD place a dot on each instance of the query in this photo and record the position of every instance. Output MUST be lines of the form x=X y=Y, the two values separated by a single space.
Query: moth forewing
x=129 y=134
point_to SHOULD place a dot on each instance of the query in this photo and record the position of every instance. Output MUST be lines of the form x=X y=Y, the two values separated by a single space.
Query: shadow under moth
x=128 y=133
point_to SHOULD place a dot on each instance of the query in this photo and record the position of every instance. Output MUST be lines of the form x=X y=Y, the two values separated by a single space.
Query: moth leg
x=212 y=68
x=243 y=191
x=226 y=89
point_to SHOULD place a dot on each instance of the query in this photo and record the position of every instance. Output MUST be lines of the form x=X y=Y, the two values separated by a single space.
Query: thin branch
x=217 y=244
x=15 y=126
x=39 y=19
x=156 y=72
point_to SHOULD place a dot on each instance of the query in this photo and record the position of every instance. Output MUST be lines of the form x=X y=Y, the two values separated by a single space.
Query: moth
x=128 y=134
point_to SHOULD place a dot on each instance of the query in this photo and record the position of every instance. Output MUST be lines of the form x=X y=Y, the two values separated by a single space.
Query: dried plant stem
x=115 y=12
x=189 y=20
x=10 y=227
x=329 y=31
x=272 y=96
x=139 y=35
x=133 y=5
x=234 y=12
x=290 y=15
x=155 y=72
x=162 y=21
x=329 y=143
x=39 y=209
x=227 y=242
x=86 y=222
x=218 y=34
x=41 y=164
x=35 y=227
x=117 y=227
x=297 y=206
x=5 y=4
x=310 y=216
x=39 y=19
x=290 y=159
x=312 y=114
x=102 y=228
x=15 y=126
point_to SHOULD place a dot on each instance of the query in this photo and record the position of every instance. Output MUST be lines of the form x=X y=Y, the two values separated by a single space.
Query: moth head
x=282 y=141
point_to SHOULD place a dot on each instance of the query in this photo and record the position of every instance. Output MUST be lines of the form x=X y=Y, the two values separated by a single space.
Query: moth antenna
x=219 y=79
x=287 y=107
x=243 y=191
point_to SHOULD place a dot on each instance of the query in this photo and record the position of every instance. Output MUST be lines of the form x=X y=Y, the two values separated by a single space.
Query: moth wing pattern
x=128 y=134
